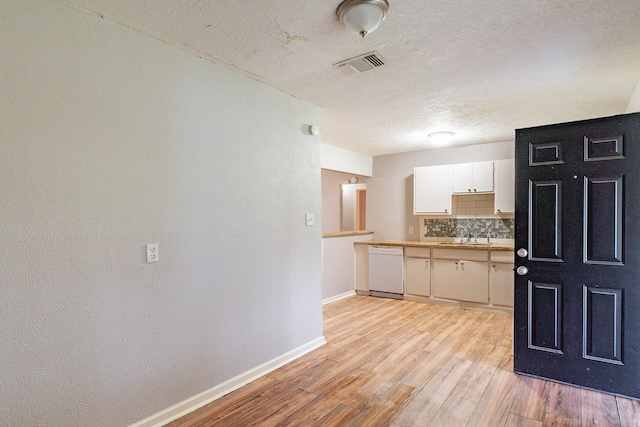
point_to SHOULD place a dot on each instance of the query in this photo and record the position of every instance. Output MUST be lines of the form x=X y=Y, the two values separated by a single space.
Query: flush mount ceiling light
x=362 y=16
x=441 y=137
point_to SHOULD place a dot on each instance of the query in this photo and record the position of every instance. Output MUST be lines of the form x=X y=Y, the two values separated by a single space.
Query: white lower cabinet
x=501 y=279
x=417 y=275
x=461 y=274
x=461 y=280
x=474 y=281
x=478 y=276
x=445 y=279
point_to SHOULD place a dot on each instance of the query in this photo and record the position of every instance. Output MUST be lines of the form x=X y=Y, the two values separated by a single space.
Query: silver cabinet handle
x=522 y=252
x=522 y=270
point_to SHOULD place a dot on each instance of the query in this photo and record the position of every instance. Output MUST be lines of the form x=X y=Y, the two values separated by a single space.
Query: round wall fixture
x=313 y=130
x=353 y=179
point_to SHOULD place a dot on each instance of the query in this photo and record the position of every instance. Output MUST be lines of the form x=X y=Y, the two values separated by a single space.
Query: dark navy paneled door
x=577 y=280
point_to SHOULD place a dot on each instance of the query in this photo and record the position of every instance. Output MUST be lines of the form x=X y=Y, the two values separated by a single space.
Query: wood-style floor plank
x=599 y=409
x=629 y=411
x=425 y=405
x=519 y=421
x=564 y=406
x=453 y=413
x=400 y=363
x=495 y=405
x=531 y=398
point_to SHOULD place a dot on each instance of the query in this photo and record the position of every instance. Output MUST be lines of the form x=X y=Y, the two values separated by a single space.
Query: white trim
x=338 y=297
x=199 y=400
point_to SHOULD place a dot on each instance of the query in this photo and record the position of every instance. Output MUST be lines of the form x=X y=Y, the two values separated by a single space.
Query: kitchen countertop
x=347 y=233
x=440 y=245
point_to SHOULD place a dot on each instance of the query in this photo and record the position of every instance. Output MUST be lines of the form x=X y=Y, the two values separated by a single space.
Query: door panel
x=603 y=211
x=548 y=153
x=545 y=220
x=604 y=148
x=577 y=303
x=545 y=317
x=602 y=335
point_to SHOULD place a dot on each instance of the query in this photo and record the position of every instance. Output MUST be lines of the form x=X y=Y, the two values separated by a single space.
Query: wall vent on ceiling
x=361 y=63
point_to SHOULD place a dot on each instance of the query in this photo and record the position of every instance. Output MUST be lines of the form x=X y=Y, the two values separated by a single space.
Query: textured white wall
x=390 y=190
x=339 y=264
x=332 y=198
x=109 y=140
x=634 y=102
x=339 y=159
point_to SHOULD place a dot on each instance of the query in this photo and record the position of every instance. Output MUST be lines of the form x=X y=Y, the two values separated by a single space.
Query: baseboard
x=199 y=400
x=338 y=297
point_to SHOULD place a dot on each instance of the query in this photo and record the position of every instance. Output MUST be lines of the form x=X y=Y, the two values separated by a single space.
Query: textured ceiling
x=478 y=68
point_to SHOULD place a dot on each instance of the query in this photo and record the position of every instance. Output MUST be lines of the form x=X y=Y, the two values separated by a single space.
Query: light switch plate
x=152 y=252
x=309 y=219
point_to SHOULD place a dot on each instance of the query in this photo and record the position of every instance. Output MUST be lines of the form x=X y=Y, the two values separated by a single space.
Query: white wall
x=339 y=265
x=110 y=140
x=390 y=190
x=634 y=102
x=339 y=159
x=332 y=198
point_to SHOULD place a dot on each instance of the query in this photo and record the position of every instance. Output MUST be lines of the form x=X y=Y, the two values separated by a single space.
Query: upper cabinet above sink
x=433 y=186
x=470 y=178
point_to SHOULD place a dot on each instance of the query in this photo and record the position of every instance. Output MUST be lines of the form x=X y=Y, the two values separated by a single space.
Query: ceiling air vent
x=361 y=63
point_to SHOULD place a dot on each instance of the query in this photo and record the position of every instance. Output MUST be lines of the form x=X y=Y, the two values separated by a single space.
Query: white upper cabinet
x=432 y=190
x=469 y=178
x=505 y=186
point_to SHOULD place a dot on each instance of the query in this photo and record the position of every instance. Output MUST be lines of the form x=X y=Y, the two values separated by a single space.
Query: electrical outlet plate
x=309 y=219
x=152 y=252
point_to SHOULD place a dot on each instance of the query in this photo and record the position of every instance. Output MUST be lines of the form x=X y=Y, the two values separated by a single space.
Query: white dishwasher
x=386 y=271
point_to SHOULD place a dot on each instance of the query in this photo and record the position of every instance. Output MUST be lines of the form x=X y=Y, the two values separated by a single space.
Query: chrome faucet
x=468 y=231
x=488 y=237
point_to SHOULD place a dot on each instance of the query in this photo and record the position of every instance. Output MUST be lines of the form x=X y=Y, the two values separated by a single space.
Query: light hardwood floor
x=399 y=363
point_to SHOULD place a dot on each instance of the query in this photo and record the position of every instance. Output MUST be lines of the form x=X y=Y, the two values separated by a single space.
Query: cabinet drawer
x=502 y=256
x=457 y=254
x=417 y=252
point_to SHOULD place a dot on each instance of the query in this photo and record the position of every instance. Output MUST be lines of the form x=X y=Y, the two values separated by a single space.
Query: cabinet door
x=505 y=186
x=483 y=177
x=445 y=279
x=432 y=190
x=469 y=178
x=462 y=178
x=501 y=284
x=418 y=276
x=473 y=277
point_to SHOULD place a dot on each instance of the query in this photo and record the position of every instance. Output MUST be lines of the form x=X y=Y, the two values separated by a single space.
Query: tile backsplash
x=500 y=228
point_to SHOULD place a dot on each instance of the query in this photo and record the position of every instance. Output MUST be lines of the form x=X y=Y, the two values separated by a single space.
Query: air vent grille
x=374 y=60
x=361 y=63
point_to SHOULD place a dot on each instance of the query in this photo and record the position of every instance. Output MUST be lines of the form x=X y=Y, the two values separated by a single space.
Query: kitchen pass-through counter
x=463 y=274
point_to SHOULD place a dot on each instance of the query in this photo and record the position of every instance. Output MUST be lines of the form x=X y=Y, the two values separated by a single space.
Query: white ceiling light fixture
x=362 y=16
x=441 y=137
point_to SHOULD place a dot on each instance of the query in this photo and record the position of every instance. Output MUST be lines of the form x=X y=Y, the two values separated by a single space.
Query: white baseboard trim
x=338 y=297
x=199 y=400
